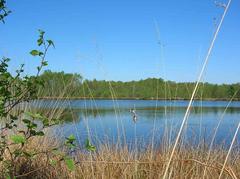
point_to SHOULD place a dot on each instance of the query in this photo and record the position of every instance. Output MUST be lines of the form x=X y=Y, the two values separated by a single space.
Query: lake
x=113 y=120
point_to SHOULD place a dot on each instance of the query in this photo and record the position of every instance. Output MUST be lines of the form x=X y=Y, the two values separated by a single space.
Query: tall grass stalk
x=229 y=151
x=216 y=130
x=195 y=89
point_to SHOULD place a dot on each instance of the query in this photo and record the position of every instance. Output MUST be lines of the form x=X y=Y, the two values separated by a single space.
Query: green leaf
x=89 y=146
x=34 y=52
x=70 y=141
x=41 y=32
x=71 y=138
x=33 y=132
x=40 y=53
x=40 y=41
x=40 y=133
x=70 y=164
x=18 y=139
x=50 y=43
x=45 y=122
x=44 y=63
x=32 y=125
x=26 y=121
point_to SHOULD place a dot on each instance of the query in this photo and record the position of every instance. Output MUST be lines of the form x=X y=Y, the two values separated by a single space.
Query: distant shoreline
x=135 y=98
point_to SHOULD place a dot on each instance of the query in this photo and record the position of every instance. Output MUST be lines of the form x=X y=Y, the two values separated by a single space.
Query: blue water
x=110 y=104
x=108 y=120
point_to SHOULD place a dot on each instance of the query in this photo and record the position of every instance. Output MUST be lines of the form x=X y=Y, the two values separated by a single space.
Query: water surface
x=112 y=121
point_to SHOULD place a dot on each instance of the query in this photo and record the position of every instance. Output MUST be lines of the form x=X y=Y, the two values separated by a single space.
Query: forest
x=61 y=84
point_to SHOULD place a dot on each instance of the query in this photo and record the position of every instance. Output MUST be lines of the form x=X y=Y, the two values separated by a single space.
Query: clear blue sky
x=117 y=40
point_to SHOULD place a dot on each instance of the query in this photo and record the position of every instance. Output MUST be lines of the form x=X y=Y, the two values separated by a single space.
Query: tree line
x=61 y=84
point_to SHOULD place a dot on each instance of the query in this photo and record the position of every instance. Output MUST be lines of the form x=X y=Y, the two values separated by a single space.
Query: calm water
x=110 y=120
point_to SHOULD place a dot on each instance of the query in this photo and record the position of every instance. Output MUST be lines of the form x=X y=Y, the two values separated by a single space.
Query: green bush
x=14 y=91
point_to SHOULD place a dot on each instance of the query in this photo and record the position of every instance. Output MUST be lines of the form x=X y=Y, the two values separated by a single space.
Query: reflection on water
x=108 y=119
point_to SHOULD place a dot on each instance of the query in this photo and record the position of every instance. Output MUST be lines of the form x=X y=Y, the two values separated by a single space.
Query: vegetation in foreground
x=114 y=162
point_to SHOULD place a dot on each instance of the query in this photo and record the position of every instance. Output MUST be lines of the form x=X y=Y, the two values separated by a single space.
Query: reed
x=110 y=161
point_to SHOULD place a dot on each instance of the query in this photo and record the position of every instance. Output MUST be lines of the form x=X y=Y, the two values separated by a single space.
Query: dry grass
x=114 y=162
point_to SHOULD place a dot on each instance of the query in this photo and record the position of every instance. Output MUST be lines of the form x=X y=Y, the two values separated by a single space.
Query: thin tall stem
x=195 y=89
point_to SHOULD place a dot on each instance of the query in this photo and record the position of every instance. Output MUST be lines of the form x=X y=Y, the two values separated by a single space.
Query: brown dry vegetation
x=115 y=162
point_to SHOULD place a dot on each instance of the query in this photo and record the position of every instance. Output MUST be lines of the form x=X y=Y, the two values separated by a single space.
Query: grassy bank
x=119 y=162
